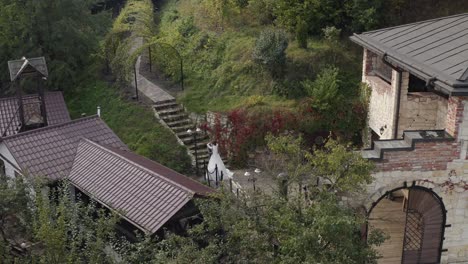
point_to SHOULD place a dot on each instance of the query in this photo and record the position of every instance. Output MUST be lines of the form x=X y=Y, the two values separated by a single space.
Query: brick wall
x=420 y=111
x=455 y=202
x=454 y=114
x=382 y=105
x=425 y=157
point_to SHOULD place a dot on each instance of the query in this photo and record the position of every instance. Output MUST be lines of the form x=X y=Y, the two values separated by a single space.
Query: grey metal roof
x=18 y=67
x=144 y=192
x=436 y=48
x=50 y=151
x=56 y=108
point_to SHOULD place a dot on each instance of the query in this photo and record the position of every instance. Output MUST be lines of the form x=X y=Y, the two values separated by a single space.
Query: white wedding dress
x=216 y=162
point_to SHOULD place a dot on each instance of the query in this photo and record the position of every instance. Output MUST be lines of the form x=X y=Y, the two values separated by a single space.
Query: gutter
x=397 y=114
x=441 y=83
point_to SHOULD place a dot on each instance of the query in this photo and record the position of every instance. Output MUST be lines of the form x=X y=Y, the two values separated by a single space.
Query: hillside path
x=151 y=90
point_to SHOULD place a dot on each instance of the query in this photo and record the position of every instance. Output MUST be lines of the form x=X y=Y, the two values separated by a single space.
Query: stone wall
x=455 y=201
x=382 y=106
x=420 y=110
x=441 y=166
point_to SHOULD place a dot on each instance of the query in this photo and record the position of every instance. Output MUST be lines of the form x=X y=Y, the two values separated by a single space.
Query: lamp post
x=283 y=184
x=252 y=179
x=194 y=134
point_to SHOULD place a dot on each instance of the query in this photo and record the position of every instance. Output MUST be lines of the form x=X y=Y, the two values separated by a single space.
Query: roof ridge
x=110 y=151
x=78 y=120
x=27 y=95
x=415 y=23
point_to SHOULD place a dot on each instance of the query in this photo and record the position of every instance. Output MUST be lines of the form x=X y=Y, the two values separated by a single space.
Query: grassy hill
x=220 y=71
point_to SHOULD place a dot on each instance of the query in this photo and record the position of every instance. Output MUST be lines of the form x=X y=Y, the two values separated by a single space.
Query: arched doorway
x=414 y=218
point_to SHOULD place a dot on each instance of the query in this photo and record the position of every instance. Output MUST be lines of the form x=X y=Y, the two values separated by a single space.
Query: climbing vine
x=135 y=21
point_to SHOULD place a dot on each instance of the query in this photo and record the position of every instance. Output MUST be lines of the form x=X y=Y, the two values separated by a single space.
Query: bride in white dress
x=216 y=162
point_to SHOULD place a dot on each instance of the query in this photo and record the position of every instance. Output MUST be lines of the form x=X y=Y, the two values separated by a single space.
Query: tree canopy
x=64 y=31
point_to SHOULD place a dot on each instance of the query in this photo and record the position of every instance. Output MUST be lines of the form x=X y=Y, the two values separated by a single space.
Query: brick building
x=418 y=118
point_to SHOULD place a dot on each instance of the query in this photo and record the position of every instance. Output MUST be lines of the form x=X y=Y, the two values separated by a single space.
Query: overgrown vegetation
x=133 y=123
x=297 y=221
x=63 y=31
x=238 y=52
x=288 y=224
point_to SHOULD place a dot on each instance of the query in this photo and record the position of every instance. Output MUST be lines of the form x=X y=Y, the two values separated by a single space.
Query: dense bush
x=63 y=31
x=325 y=90
x=269 y=51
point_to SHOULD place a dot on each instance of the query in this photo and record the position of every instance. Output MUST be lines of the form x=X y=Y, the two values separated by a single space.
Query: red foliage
x=246 y=129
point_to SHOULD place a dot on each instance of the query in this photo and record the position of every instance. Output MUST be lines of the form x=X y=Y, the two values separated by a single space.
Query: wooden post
x=216 y=174
x=150 y=59
x=181 y=72
x=136 y=81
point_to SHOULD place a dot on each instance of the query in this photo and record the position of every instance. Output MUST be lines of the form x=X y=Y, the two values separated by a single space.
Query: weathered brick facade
x=426 y=156
x=440 y=165
x=417 y=110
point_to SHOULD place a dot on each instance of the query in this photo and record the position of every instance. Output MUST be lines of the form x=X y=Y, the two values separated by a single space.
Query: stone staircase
x=174 y=116
x=407 y=143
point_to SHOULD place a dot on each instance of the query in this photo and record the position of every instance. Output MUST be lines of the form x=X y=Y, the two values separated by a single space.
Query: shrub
x=302 y=34
x=324 y=90
x=187 y=28
x=270 y=51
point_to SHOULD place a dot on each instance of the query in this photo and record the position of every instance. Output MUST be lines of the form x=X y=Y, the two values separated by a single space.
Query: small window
x=416 y=84
x=383 y=71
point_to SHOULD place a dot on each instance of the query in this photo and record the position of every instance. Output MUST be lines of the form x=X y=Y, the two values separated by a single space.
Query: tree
x=270 y=51
x=14 y=214
x=48 y=227
x=64 y=31
x=269 y=227
x=325 y=90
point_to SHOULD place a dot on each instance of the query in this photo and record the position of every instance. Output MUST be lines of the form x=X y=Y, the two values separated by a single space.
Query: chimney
x=99 y=111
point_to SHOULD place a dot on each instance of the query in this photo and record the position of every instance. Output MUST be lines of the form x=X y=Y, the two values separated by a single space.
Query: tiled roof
x=145 y=192
x=50 y=151
x=436 y=48
x=56 y=108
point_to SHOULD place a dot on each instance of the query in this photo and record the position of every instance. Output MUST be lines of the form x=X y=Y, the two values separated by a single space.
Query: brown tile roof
x=50 y=151
x=56 y=108
x=145 y=192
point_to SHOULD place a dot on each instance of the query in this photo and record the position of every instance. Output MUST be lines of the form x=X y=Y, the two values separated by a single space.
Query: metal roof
x=434 y=49
x=144 y=192
x=56 y=108
x=50 y=151
x=25 y=66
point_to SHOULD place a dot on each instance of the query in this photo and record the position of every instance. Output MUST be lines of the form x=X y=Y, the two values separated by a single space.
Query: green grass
x=219 y=71
x=133 y=123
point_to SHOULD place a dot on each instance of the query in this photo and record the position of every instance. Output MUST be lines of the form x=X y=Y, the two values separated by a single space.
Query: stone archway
x=414 y=218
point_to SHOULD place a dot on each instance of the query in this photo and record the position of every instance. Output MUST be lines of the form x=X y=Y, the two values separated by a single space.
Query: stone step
x=170 y=118
x=370 y=154
x=189 y=139
x=203 y=155
x=171 y=111
x=182 y=128
x=162 y=102
x=184 y=134
x=165 y=106
x=199 y=145
x=179 y=123
x=391 y=145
